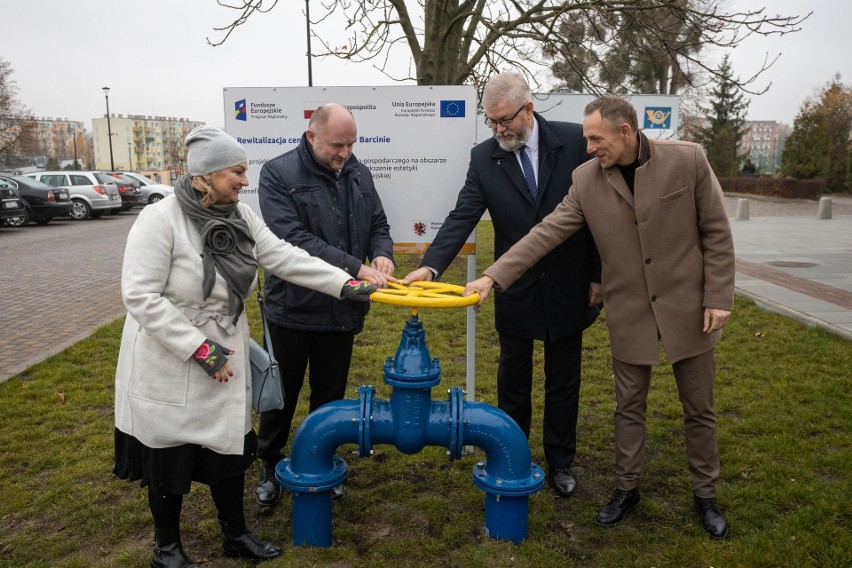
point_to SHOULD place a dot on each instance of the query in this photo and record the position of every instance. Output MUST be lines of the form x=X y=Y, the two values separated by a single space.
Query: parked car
x=41 y=202
x=11 y=205
x=152 y=191
x=92 y=193
x=131 y=196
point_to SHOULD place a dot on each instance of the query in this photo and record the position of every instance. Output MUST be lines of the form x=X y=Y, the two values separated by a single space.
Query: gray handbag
x=266 y=389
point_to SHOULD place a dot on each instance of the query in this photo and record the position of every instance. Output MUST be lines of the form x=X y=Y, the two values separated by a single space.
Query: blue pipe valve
x=410 y=420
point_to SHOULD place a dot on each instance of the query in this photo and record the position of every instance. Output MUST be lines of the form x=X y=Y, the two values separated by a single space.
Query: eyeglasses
x=491 y=123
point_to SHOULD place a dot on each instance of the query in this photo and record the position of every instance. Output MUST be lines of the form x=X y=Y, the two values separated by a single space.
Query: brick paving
x=60 y=282
x=814 y=289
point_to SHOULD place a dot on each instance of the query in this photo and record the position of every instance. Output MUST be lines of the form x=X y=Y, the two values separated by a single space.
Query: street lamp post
x=308 y=26
x=74 y=140
x=109 y=130
x=129 y=158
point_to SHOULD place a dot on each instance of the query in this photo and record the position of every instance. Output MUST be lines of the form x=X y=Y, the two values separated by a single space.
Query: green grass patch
x=782 y=395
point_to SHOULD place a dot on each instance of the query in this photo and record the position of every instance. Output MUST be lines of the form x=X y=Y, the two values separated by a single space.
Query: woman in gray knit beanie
x=212 y=150
x=183 y=390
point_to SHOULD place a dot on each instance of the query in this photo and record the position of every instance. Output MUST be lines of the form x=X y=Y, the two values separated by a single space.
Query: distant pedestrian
x=748 y=168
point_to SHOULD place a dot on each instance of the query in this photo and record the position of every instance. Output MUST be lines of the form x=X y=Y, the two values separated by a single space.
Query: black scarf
x=228 y=245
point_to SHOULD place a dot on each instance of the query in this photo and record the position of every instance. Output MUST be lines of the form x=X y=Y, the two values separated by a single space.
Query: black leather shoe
x=246 y=545
x=564 y=482
x=238 y=541
x=337 y=493
x=268 y=492
x=168 y=551
x=622 y=503
x=711 y=518
x=171 y=555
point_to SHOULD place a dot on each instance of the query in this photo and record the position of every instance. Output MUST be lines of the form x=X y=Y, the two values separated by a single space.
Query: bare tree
x=650 y=56
x=453 y=42
x=17 y=128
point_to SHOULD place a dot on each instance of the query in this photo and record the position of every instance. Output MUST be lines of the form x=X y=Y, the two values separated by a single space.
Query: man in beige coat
x=657 y=214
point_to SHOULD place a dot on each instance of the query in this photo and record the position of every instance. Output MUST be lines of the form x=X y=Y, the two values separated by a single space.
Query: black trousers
x=562 y=361
x=329 y=354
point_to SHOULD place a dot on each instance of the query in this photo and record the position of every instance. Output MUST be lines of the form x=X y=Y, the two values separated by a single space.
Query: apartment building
x=147 y=144
x=763 y=142
x=59 y=138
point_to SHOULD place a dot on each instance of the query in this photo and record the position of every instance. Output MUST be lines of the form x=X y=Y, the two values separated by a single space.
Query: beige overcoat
x=666 y=253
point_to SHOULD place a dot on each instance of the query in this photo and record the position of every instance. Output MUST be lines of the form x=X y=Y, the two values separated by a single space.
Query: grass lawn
x=782 y=396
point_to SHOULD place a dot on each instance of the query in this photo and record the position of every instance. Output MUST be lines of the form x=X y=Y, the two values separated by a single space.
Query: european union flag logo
x=452 y=109
x=240 y=110
x=658 y=117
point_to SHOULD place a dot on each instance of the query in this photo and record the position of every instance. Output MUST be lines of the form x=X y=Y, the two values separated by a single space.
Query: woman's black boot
x=239 y=542
x=168 y=552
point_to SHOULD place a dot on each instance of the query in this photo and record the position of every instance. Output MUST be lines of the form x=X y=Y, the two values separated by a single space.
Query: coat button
x=647 y=261
x=654 y=298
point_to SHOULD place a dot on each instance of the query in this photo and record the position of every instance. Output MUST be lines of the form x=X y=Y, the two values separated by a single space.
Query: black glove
x=358 y=290
x=211 y=356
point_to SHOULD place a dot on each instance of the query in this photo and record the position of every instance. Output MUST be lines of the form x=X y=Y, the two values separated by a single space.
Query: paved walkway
x=60 y=282
x=791 y=262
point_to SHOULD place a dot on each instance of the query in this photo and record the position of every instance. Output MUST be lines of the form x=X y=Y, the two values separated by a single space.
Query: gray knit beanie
x=211 y=149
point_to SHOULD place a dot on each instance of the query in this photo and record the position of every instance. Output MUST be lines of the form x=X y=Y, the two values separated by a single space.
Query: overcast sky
x=154 y=56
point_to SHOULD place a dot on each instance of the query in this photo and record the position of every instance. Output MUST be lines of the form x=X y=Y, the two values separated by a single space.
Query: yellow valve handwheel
x=424 y=294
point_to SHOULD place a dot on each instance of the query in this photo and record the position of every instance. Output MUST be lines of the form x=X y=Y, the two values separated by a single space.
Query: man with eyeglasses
x=520 y=175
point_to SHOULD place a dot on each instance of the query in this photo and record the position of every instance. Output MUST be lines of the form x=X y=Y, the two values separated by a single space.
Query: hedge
x=772 y=186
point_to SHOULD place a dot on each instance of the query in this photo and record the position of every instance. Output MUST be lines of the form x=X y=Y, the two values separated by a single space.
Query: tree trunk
x=441 y=61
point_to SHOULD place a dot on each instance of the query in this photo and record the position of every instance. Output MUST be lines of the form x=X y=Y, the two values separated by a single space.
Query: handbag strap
x=266 y=336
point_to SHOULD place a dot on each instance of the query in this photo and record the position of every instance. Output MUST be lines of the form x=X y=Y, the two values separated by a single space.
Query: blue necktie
x=529 y=175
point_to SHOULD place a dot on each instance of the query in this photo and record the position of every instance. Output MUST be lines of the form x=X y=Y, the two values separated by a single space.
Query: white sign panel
x=658 y=114
x=415 y=140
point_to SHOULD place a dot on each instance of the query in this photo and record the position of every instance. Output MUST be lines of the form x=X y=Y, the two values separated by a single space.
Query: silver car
x=92 y=193
x=152 y=191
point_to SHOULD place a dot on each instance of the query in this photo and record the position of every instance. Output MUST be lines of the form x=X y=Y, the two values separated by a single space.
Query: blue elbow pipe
x=410 y=420
x=507 y=476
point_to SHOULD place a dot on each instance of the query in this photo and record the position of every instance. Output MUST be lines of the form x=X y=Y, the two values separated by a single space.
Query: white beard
x=514 y=143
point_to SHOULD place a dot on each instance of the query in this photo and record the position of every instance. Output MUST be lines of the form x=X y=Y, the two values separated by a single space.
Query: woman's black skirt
x=173 y=469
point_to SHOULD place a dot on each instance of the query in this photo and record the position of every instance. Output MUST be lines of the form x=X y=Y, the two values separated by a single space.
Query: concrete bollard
x=824 y=211
x=742 y=209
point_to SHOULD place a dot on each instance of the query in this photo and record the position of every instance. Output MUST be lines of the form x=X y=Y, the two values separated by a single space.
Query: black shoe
x=268 y=492
x=171 y=556
x=239 y=542
x=564 y=482
x=337 y=493
x=711 y=518
x=168 y=552
x=622 y=503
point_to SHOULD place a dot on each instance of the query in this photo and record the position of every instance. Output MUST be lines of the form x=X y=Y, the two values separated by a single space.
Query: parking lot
x=58 y=283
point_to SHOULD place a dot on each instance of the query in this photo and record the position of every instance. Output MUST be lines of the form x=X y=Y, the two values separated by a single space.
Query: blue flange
x=456 y=447
x=365 y=444
x=508 y=487
x=310 y=483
